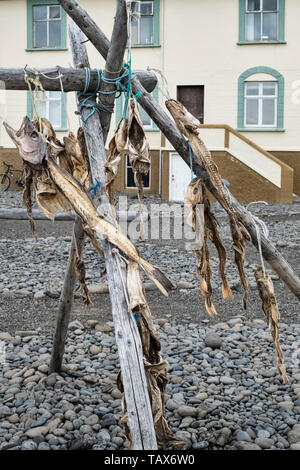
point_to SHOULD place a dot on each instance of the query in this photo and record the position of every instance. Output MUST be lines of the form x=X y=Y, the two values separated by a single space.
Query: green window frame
x=156 y=23
x=30 y=43
x=280 y=99
x=119 y=110
x=63 y=118
x=242 y=25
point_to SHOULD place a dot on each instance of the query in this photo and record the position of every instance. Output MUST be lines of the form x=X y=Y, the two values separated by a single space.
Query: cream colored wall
x=199 y=48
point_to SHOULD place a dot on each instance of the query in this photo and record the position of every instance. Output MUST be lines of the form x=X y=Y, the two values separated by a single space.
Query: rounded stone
x=212 y=340
x=29 y=445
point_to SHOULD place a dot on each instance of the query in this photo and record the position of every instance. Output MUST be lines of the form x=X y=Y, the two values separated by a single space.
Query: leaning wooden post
x=167 y=126
x=80 y=60
x=127 y=336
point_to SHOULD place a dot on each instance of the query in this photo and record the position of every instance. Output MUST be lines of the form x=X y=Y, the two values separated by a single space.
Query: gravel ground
x=227 y=396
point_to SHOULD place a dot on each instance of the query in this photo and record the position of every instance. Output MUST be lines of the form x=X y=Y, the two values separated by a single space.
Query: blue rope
x=191 y=159
x=137 y=317
x=85 y=96
x=94 y=187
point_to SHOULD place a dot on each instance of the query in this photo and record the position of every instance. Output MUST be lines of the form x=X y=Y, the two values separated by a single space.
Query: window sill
x=62 y=129
x=39 y=49
x=151 y=130
x=260 y=129
x=139 y=46
x=250 y=43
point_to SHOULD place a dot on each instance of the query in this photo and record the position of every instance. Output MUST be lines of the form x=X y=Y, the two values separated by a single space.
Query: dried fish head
x=183 y=119
x=32 y=148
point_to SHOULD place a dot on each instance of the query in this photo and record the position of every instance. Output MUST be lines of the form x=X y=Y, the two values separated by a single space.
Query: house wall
x=198 y=46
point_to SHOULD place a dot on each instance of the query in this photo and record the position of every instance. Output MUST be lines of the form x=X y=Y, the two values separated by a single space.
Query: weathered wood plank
x=129 y=344
x=17 y=213
x=72 y=79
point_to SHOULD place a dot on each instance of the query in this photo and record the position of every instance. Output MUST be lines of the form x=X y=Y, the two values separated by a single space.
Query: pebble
x=187 y=411
x=212 y=340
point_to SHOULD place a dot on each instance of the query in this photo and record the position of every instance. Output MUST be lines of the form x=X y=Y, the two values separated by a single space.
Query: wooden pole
x=167 y=126
x=72 y=79
x=127 y=336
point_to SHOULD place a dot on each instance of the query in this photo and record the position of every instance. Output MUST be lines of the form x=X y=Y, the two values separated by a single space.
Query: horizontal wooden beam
x=37 y=214
x=72 y=79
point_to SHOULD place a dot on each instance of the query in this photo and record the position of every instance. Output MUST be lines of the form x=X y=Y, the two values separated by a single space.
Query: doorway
x=192 y=98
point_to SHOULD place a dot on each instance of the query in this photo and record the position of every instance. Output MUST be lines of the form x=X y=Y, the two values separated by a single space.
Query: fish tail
x=158 y=277
x=226 y=291
x=210 y=308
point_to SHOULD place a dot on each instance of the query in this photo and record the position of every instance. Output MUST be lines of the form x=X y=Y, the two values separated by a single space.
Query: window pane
x=270 y=26
x=252 y=89
x=253 y=5
x=269 y=89
x=146 y=120
x=270 y=5
x=54 y=12
x=146 y=8
x=40 y=13
x=55 y=113
x=42 y=106
x=268 y=110
x=134 y=31
x=146 y=25
x=54 y=33
x=253 y=21
x=252 y=112
x=130 y=177
x=54 y=95
x=40 y=34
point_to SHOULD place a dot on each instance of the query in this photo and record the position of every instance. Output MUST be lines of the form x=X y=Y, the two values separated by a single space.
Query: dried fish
x=49 y=198
x=116 y=150
x=80 y=169
x=270 y=307
x=83 y=206
x=196 y=194
x=139 y=156
x=190 y=127
x=155 y=366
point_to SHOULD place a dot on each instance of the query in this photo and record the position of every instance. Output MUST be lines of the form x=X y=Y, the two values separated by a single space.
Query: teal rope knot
x=94 y=187
x=85 y=97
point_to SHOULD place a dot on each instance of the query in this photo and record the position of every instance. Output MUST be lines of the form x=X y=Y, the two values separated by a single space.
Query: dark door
x=192 y=98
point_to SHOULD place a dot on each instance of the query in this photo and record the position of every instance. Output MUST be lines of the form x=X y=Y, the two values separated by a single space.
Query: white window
x=260 y=104
x=129 y=176
x=51 y=108
x=261 y=20
x=46 y=26
x=142 y=27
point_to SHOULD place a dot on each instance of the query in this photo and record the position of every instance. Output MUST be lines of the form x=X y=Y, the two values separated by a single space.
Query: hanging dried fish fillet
x=28 y=176
x=270 y=307
x=139 y=157
x=195 y=196
x=80 y=168
x=190 y=127
x=116 y=150
x=49 y=198
x=214 y=236
x=155 y=366
x=83 y=206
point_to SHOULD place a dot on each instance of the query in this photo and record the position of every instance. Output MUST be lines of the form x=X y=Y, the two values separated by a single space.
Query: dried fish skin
x=116 y=150
x=269 y=305
x=139 y=156
x=155 y=366
x=83 y=206
x=80 y=169
x=190 y=127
